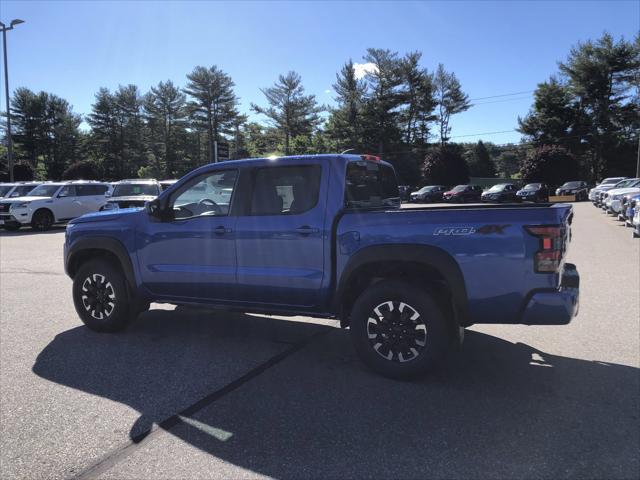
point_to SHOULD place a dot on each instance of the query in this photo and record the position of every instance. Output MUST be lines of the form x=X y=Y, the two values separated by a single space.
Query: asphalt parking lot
x=190 y=393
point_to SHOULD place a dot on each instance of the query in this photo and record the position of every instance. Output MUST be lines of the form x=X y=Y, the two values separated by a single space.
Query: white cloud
x=327 y=91
x=362 y=69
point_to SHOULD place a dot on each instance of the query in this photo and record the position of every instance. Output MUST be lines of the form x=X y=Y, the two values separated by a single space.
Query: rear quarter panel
x=491 y=247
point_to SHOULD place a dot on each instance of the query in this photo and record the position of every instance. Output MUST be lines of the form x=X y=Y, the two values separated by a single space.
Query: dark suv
x=534 y=192
x=463 y=193
x=577 y=188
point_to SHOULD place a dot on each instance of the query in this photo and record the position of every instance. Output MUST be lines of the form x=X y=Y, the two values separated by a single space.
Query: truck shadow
x=496 y=409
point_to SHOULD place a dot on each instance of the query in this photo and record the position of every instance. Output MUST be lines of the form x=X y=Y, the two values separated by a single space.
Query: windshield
x=459 y=188
x=135 y=189
x=44 y=191
x=370 y=184
x=571 y=184
x=427 y=189
x=532 y=186
x=498 y=188
x=624 y=183
x=611 y=181
x=4 y=189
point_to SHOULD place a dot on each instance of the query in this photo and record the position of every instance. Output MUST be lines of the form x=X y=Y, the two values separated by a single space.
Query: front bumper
x=14 y=218
x=556 y=307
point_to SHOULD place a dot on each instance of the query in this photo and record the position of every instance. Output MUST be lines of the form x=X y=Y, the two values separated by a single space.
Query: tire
x=12 y=227
x=398 y=352
x=42 y=220
x=101 y=297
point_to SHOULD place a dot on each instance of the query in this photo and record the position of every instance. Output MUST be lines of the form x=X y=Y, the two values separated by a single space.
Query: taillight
x=549 y=258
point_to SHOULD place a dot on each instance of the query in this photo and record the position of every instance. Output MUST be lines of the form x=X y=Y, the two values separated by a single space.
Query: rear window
x=370 y=185
x=135 y=189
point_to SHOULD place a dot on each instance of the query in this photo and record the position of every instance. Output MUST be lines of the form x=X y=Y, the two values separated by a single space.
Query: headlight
x=20 y=205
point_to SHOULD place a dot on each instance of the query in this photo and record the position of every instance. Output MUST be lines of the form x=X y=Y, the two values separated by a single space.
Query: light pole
x=4 y=28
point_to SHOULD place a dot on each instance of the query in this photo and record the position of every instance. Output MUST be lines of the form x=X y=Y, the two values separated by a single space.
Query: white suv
x=132 y=193
x=50 y=203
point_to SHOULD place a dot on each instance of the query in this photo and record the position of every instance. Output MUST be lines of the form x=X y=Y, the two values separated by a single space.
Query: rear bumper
x=556 y=307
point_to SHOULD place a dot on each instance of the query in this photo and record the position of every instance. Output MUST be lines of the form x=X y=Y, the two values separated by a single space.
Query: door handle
x=221 y=230
x=306 y=230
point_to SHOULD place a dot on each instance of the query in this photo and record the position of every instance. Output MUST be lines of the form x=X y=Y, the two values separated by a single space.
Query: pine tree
x=164 y=108
x=290 y=111
x=213 y=104
x=383 y=99
x=418 y=98
x=450 y=100
x=345 y=122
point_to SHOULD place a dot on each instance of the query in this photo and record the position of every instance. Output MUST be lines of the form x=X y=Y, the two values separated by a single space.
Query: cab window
x=285 y=190
x=207 y=195
x=371 y=185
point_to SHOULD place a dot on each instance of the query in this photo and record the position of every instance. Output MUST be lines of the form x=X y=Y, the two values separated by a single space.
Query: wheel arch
x=111 y=249
x=431 y=266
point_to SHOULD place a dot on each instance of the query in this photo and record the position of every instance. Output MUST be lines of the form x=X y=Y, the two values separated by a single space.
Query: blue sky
x=72 y=48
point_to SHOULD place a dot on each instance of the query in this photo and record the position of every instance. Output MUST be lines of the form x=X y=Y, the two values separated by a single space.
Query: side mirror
x=153 y=208
x=107 y=194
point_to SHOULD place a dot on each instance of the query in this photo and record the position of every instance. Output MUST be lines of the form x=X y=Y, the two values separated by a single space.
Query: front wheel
x=398 y=329
x=101 y=298
x=42 y=220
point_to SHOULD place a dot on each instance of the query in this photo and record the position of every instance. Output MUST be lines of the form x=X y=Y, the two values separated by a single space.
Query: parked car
x=629 y=203
x=324 y=235
x=164 y=184
x=502 y=192
x=132 y=193
x=534 y=192
x=463 y=193
x=636 y=222
x=579 y=189
x=602 y=191
x=18 y=189
x=613 y=197
x=429 y=194
x=51 y=203
x=606 y=184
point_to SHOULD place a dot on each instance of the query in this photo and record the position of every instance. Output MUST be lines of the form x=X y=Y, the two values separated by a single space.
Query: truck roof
x=283 y=160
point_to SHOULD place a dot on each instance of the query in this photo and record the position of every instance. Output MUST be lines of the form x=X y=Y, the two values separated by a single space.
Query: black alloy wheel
x=399 y=329
x=98 y=296
x=396 y=331
x=42 y=220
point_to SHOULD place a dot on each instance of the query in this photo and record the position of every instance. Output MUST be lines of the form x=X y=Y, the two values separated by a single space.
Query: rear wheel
x=101 y=298
x=42 y=220
x=398 y=329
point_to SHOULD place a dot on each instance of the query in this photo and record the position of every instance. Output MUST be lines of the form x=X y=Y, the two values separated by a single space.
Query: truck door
x=280 y=239
x=193 y=254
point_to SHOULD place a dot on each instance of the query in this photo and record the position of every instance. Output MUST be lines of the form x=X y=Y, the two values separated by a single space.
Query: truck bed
x=488 y=242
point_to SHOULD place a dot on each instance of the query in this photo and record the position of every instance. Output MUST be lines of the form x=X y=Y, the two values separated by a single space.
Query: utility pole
x=215 y=151
x=638 y=163
x=4 y=28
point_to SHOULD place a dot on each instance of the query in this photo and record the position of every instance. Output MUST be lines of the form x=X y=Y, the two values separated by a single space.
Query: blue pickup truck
x=324 y=236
